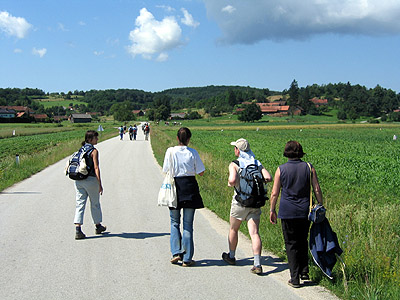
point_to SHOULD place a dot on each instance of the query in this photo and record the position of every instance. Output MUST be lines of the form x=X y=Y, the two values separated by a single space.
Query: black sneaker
x=100 y=229
x=79 y=235
x=256 y=270
x=176 y=258
x=293 y=284
x=228 y=259
x=188 y=263
x=304 y=277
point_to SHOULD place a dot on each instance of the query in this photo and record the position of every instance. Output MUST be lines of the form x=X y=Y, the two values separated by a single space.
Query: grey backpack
x=251 y=191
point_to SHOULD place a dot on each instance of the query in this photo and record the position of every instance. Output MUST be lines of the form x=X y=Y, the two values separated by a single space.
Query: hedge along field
x=358 y=169
x=40 y=150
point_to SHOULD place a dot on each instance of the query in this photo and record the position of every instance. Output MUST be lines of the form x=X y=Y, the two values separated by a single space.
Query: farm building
x=40 y=117
x=139 y=112
x=7 y=113
x=274 y=108
x=177 y=115
x=319 y=102
x=80 y=118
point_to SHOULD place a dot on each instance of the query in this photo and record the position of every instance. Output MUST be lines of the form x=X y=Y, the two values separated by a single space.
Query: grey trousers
x=88 y=187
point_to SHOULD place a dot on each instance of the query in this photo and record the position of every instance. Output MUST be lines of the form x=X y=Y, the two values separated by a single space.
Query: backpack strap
x=87 y=149
x=311 y=202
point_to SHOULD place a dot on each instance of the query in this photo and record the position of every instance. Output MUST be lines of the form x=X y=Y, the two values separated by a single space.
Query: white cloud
x=81 y=23
x=151 y=37
x=229 y=9
x=98 y=53
x=166 y=8
x=188 y=19
x=17 y=50
x=293 y=19
x=162 y=57
x=39 y=52
x=14 y=26
x=62 y=27
x=112 y=42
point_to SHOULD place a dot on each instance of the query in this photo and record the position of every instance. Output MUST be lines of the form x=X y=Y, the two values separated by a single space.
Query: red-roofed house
x=40 y=117
x=319 y=102
x=138 y=112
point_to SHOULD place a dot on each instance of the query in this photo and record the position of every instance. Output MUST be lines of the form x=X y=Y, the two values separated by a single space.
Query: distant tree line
x=351 y=101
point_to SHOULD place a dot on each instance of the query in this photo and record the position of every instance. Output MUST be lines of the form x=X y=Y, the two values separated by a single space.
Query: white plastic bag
x=167 y=194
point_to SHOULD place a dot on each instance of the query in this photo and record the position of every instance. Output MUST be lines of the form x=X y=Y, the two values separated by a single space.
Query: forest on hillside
x=351 y=101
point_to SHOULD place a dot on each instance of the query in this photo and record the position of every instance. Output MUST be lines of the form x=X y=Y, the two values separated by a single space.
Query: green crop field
x=59 y=101
x=358 y=168
x=38 y=147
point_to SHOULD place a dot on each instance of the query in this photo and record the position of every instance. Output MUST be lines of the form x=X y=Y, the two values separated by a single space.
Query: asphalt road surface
x=40 y=259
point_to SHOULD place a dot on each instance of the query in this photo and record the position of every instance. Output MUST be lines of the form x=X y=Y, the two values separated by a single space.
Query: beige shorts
x=244 y=213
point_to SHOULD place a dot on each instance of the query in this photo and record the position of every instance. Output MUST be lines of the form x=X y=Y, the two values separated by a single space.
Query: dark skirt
x=188 y=192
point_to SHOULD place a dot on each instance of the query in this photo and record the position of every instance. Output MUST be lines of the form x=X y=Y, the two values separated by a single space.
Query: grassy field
x=38 y=147
x=49 y=101
x=358 y=167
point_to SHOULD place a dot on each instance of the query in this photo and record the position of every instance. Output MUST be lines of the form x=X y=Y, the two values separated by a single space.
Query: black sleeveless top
x=295 y=194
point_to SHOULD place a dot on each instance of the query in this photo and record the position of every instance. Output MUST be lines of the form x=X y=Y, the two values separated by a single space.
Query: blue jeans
x=182 y=244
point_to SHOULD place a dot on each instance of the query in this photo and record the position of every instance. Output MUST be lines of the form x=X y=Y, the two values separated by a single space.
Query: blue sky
x=62 y=46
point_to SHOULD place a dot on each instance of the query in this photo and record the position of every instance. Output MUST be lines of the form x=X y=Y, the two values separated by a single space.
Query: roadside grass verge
x=358 y=167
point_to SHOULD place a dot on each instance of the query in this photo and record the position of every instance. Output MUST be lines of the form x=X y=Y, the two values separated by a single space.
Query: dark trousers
x=295 y=234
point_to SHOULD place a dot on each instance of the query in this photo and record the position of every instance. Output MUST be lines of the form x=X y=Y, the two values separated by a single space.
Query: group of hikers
x=293 y=180
x=133 y=130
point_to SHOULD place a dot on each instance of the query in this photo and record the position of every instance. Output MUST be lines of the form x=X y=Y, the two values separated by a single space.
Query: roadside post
x=100 y=129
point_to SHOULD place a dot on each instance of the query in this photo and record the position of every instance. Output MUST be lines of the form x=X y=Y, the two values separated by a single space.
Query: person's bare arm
x=95 y=156
x=267 y=176
x=233 y=177
x=316 y=187
x=276 y=189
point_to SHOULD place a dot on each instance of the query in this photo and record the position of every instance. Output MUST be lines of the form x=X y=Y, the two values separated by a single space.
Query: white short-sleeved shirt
x=186 y=161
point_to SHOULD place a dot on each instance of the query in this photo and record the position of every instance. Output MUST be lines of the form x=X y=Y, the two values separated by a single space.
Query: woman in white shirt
x=187 y=164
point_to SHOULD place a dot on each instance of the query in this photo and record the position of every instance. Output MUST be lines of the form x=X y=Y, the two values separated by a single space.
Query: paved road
x=40 y=259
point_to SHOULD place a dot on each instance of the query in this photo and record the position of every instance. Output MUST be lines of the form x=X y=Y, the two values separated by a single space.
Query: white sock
x=257 y=260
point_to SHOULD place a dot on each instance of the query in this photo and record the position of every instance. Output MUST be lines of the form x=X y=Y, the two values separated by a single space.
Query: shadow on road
x=20 y=193
x=128 y=235
x=276 y=263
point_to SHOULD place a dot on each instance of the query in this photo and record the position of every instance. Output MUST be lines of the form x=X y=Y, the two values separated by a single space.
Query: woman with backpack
x=186 y=164
x=292 y=180
x=90 y=187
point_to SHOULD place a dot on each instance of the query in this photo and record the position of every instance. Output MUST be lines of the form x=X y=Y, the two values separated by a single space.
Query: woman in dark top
x=293 y=179
x=186 y=164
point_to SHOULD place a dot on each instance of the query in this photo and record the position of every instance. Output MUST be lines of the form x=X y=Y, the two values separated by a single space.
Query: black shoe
x=228 y=259
x=188 y=263
x=176 y=258
x=256 y=270
x=79 y=235
x=100 y=229
x=293 y=284
x=304 y=277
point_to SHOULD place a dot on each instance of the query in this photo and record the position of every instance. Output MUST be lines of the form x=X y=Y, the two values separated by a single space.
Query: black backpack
x=77 y=169
x=251 y=192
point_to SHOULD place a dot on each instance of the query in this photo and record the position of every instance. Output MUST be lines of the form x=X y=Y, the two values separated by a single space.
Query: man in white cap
x=240 y=213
